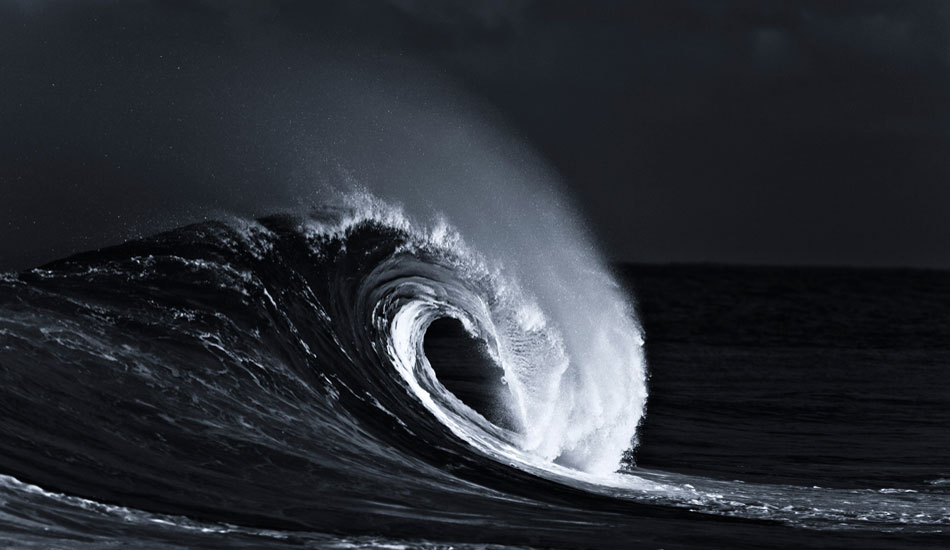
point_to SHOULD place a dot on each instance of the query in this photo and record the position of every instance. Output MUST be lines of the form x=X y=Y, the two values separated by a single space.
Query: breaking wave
x=274 y=373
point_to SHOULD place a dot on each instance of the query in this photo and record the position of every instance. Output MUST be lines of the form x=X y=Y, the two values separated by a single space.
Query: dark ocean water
x=238 y=386
x=830 y=377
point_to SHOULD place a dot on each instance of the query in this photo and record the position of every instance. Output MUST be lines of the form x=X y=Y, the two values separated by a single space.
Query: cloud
x=490 y=14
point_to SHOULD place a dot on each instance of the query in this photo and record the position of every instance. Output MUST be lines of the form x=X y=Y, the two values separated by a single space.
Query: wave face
x=296 y=340
x=273 y=374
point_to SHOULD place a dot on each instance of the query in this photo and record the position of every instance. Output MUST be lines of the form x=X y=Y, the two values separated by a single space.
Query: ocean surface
x=349 y=379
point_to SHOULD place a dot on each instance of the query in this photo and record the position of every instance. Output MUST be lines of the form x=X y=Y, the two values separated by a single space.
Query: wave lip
x=574 y=407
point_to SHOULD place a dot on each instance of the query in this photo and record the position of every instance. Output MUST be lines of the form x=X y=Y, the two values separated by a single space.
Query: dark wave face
x=319 y=380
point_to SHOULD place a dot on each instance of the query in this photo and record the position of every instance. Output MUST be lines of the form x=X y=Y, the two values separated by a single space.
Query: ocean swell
x=160 y=369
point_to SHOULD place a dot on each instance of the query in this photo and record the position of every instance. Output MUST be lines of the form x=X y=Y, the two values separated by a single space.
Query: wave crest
x=578 y=408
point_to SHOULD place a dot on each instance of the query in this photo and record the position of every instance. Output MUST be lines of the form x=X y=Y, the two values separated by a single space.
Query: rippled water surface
x=351 y=380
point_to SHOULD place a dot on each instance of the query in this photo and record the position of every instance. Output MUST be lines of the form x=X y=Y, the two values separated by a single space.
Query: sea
x=351 y=378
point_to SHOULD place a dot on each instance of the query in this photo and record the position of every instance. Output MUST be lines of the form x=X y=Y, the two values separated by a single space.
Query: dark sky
x=755 y=132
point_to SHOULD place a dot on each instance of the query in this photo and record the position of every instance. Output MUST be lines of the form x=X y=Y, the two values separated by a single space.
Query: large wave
x=273 y=373
x=290 y=336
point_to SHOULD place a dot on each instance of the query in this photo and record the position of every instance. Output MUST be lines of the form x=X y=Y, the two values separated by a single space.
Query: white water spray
x=567 y=340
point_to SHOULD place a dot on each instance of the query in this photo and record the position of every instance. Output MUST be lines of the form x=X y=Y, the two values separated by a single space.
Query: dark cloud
x=462 y=15
x=778 y=132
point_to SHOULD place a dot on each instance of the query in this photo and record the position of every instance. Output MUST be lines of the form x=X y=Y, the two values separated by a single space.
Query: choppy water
x=270 y=384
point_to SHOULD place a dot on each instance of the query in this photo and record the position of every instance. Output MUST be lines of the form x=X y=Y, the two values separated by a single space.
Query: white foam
x=573 y=361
